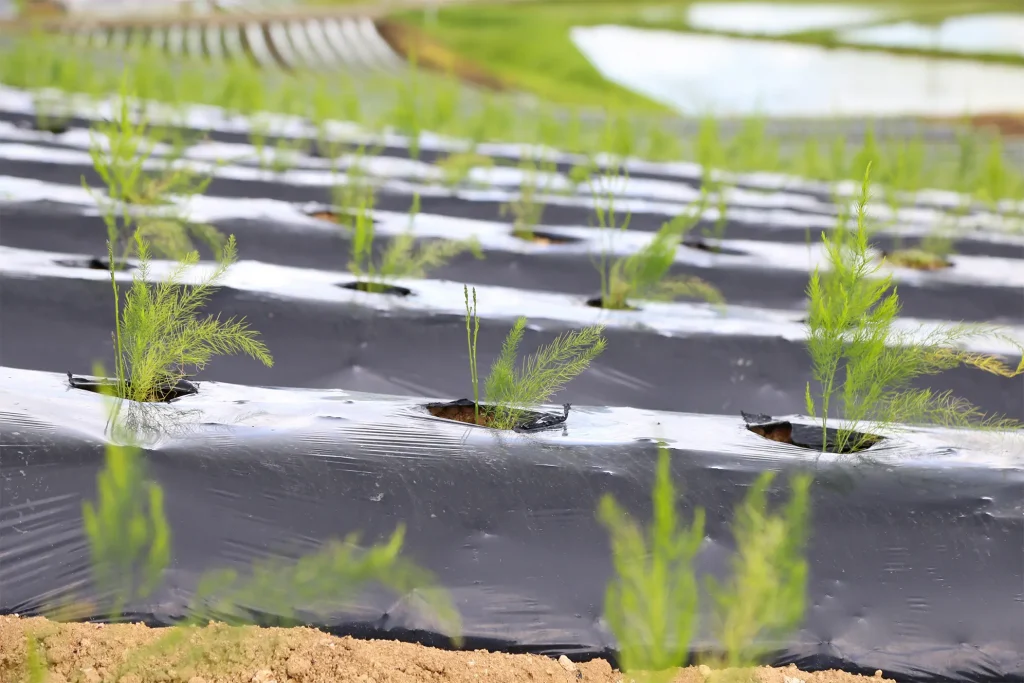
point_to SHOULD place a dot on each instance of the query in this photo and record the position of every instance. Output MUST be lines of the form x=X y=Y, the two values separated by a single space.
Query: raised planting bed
x=915 y=550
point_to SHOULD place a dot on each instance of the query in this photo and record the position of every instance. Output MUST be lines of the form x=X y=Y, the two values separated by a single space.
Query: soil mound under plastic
x=133 y=653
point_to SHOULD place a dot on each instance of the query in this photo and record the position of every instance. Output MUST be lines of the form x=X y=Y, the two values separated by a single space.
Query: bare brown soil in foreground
x=94 y=653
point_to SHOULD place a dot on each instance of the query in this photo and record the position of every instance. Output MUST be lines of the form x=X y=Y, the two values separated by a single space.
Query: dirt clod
x=263 y=676
x=134 y=653
x=297 y=667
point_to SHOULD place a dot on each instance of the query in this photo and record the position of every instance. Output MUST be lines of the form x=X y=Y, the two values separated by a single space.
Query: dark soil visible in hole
x=806 y=436
x=96 y=263
x=462 y=410
x=539 y=237
x=344 y=218
x=598 y=302
x=55 y=127
x=377 y=288
x=165 y=393
x=702 y=245
x=918 y=259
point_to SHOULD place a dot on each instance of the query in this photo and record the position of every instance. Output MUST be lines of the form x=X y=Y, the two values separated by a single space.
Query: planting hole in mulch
x=545 y=238
x=703 y=245
x=806 y=436
x=58 y=127
x=598 y=302
x=462 y=410
x=96 y=263
x=339 y=217
x=918 y=259
x=377 y=288
x=165 y=392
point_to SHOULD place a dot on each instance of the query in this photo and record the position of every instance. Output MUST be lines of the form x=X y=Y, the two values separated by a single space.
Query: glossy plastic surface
x=917 y=548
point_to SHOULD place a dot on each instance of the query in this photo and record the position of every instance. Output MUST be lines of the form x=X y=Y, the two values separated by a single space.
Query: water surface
x=980 y=33
x=702 y=74
x=775 y=19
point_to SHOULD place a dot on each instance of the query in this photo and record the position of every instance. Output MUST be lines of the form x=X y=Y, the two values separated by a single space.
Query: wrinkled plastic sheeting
x=916 y=555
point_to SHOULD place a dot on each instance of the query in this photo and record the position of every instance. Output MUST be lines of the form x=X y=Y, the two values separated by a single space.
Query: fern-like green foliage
x=457 y=166
x=651 y=605
x=53 y=111
x=643 y=275
x=129 y=539
x=603 y=190
x=280 y=156
x=402 y=257
x=514 y=389
x=765 y=598
x=653 y=601
x=317 y=583
x=321 y=583
x=159 y=338
x=527 y=209
x=510 y=390
x=864 y=365
x=120 y=162
x=358 y=193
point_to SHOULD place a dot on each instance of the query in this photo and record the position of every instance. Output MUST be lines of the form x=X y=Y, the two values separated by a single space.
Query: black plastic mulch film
x=916 y=556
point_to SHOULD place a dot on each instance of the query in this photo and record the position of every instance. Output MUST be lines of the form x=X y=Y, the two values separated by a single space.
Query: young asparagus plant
x=357 y=191
x=401 y=258
x=527 y=208
x=652 y=603
x=642 y=275
x=129 y=538
x=767 y=592
x=510 y=391
x=157 y=336
x=281 y=155
x=457 y=166
x=863 y=364
x=121 y=148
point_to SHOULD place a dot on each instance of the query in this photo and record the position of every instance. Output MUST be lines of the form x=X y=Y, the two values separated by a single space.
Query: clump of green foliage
x=642 y=275
x=527 y=209
x=401 y=258
x=766 y=595
x=863 y=365
x=130 y=548
x=652 y=603
x=713 y=155
x=358 y=192
x=129 y=538
x=120 y=149
x=604 y=189
x=979 y=167
x=510 y=391
x=321 y=583
x=53 y=111
x=158 y=337
x=456 y=167
x=280 y=156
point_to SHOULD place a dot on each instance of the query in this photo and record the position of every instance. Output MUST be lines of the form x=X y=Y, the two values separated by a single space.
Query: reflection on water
x=774 y=19
x=981 y=33
x=699 y=74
